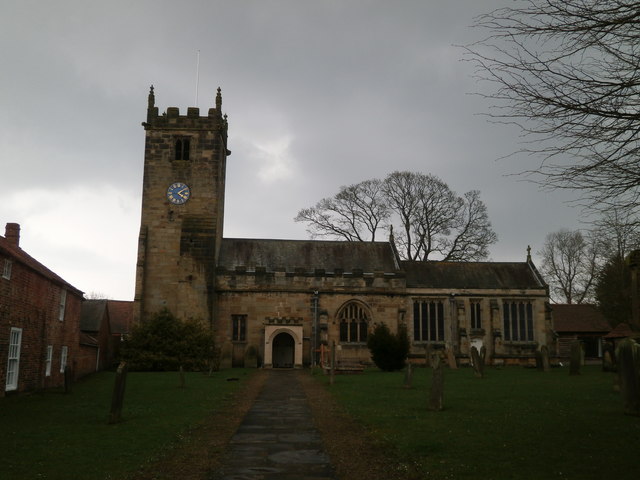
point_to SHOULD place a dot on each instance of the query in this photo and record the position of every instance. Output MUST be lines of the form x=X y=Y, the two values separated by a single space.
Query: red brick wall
x=30 y=301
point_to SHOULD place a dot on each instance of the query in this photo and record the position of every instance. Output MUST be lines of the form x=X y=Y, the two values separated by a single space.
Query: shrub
x=164 y=343
x=389 y=351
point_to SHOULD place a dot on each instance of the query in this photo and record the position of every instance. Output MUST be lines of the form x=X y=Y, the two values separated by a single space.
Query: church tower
x=182 y=211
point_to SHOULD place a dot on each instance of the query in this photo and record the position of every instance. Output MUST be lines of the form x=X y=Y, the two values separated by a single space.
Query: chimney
x=12 y=234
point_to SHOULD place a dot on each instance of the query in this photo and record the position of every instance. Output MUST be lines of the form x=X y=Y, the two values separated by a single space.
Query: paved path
x=277 y=439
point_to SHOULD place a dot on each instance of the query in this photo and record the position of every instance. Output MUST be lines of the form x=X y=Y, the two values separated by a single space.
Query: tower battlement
x=171 y=118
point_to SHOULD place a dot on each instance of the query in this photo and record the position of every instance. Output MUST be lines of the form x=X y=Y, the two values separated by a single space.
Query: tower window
x=182 y=149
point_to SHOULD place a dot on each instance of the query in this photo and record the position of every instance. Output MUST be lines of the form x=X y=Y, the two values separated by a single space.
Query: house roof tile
x=578 y=318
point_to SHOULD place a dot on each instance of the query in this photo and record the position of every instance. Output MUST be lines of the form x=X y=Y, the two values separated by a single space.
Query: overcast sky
x=319 y=94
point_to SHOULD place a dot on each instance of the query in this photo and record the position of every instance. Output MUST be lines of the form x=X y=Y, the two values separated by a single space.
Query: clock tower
x=182 y=211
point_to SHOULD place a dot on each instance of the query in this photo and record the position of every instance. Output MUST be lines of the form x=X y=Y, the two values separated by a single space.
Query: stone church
x=287 y=301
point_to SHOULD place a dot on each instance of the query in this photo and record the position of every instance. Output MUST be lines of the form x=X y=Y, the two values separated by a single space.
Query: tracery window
x=428 y=320
x=354 y=323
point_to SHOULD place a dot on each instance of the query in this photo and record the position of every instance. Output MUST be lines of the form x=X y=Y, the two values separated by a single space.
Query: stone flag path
x=277 y=438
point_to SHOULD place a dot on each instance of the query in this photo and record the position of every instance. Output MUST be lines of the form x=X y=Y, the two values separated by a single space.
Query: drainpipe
x=314 y=336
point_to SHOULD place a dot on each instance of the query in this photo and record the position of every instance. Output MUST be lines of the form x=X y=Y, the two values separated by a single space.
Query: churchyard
x=514 y=423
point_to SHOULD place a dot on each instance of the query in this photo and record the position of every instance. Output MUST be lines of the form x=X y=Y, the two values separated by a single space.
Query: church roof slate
x=471 y=275
x=309 y=255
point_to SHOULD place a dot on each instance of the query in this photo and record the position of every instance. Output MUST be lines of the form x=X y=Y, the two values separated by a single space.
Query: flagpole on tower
x=197 y=76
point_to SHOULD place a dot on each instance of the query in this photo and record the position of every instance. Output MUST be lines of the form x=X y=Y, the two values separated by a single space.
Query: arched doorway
x=283 y=350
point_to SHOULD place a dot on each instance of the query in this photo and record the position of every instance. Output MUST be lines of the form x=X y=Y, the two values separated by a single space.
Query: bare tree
x=431 y=219
x=570 y=264
x=354 y=214
x=566 y=73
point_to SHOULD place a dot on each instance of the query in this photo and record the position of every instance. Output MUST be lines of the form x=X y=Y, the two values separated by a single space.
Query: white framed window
x=13 y=359
x=63 y=359
x=49 y=359
x=63 y=304
x=6 y=270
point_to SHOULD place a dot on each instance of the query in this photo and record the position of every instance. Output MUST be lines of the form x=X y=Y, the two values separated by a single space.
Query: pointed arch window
x=354 y=323
x=182 y=149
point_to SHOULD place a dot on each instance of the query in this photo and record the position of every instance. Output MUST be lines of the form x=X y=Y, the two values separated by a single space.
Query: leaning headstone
x=476 y=360
x=436 y=392
x=117 y=399
x=544 y=352
x=408 y=376
x=575 y=361
x=451 y=359
x=251 y=357
x=483 y=355
x=226 y=354
x=628 y=353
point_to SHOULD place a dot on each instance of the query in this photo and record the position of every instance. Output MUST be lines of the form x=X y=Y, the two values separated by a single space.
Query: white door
x=13 y=360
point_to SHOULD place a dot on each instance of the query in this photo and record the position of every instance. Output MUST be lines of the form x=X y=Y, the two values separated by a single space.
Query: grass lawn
x=515 y=423
x=57 y=436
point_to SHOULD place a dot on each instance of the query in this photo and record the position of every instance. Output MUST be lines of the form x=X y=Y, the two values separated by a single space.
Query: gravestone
x=575 y=361
x=483 y=356
x=628 y=354
x=181 y=373
x=544 y=352
x=476 y=361
x=408 y=376
x=117 y=399
x=538 y=357
x=451 y=359
x=436 y=392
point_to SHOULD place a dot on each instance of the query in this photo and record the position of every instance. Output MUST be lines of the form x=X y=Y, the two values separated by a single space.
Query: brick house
x=282 y=299
x=39 y=320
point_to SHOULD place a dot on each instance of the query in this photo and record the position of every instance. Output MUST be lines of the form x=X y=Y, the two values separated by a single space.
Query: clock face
x=178 y=193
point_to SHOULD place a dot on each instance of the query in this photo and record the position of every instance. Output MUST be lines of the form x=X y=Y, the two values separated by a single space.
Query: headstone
x=181 y=372
x=628 y=353
x=251 y=357
x=538 y=357
x=575 y=361
x=476 y=361
x=68 y=379
x=427 y=355
x=408 y=376
x=544 y=352
x=608 y=358
x=117 y=399
x=483 y=355
x=436 y=392
x=451 y=359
